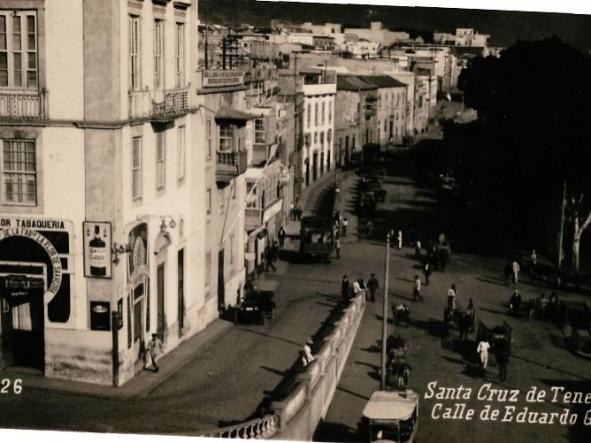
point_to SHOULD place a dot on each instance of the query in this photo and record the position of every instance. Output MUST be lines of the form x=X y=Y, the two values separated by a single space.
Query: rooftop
x=385 y=81
x=354 y=83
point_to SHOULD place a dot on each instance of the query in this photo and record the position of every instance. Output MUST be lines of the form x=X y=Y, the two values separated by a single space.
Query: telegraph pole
x=385 y=314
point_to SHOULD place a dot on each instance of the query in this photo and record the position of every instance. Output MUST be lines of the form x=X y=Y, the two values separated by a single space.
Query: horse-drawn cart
x=576 y=322
x=463 y=319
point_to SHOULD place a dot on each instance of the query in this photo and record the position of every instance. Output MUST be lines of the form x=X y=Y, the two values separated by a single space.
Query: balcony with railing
x=158 y=106
x=229 y=165
x=168 y=104
x=22 y=104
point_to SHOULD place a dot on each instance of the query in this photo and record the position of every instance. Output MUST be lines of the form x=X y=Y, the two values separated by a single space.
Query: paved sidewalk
x=140 y=385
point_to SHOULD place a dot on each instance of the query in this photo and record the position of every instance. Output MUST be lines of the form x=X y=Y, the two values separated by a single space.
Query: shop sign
x=97 y=249
x=19 y=229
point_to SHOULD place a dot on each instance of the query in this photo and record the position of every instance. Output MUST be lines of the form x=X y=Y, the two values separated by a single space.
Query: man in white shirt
x=356 y=287
x=515 y=268
x=482 y=349
x=416 y=294
x=451 y=297
x=307 y=356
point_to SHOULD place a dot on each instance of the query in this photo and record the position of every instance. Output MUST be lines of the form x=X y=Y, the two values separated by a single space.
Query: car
x=390 y=416
x=256 y=307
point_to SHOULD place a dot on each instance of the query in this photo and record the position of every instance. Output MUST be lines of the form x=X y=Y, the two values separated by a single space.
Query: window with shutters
x=134 y=53
x=158 y=54
x=18 y=49
x=18 y=166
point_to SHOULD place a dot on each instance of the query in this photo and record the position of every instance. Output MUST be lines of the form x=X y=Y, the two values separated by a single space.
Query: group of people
x=349 y=289
x=295 y=212
x=501 y=352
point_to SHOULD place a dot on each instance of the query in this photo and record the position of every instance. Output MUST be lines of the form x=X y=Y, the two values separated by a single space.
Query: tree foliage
x=534 y=106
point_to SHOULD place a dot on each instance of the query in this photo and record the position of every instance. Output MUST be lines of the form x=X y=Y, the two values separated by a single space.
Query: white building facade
x=100 y=170
x=319 y=90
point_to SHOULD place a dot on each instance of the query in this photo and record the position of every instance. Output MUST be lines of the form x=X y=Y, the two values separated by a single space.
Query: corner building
x=101 y=194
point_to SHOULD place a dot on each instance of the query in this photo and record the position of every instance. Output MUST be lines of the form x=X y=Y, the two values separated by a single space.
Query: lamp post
x=385 y=314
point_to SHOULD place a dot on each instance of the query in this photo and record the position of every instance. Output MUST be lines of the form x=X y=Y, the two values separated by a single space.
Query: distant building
x=377 y=34
x=362 y=48
x=356 y=121
x=462 y=37
x=319 y=89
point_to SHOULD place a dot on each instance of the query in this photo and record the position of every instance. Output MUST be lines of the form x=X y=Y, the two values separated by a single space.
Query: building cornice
x=89 y=124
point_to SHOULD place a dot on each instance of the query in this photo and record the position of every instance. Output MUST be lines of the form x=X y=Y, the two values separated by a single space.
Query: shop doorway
x=22 y=315
x=161 y=325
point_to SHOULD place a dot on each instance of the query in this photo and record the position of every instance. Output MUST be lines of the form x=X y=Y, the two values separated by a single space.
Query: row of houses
x=139 y=188
x=445 y=57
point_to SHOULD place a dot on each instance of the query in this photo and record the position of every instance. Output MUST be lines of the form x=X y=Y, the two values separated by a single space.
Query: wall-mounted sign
x=97 y=249
x=21 y=231
x=100 y=312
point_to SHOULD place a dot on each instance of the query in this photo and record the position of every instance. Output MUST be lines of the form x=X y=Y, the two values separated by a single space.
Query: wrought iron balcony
x=159 y=106
x=229 y=165
x=170 y=103
x=21 y=104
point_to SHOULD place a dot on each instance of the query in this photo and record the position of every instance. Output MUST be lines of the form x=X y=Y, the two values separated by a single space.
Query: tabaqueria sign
x=28 y=228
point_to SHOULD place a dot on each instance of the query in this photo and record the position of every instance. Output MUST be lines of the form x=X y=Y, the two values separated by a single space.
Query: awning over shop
x=231 y=114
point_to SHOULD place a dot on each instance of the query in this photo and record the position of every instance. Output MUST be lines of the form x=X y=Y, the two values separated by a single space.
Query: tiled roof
x=354 y=83
x=384 y=81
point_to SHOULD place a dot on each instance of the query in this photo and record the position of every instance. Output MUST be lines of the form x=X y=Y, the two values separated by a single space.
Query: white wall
x=64 y=59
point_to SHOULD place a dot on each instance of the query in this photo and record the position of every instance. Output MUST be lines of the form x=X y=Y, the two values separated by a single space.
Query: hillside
x=504 y=27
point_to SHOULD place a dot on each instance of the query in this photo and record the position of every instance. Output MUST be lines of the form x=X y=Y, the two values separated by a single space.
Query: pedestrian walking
x=154 y=349
x=515 y=302
x=345 y=288
x=416 y=293
x=275 y=250
x=269 y=258
x=451 y=297
x=337 y=247
x=482 y=349
x=373 y=285
x=418 y=245
x=369 y=226
x=515 y=269
x=292 y=215
x=399 y=239
x=533 y=257
x=281 y=235
x=345 y=224
x=299 y=212
x=502 y=356
x=427 y=272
